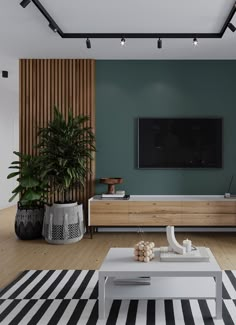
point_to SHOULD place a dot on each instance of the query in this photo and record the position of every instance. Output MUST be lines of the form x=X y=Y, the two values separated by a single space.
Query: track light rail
x=51 y=21
x=48 y=16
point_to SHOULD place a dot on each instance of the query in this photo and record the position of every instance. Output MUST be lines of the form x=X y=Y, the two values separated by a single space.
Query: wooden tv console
x=162 y=210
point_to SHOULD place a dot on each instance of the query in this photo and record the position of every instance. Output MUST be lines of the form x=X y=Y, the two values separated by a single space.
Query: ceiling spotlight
x=159 y=44
x=195 y=41
x=53 y=27
x=25 y=3
x=88 y=43
x=122 y=41
x=232 y=27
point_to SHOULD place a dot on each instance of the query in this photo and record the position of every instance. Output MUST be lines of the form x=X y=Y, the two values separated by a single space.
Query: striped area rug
x=69 y=297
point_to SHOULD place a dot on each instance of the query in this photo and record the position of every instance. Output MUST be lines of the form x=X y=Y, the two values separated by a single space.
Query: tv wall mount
x=55 y=26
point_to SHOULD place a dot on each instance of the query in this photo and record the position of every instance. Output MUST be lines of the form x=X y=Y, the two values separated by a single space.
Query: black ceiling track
x=49 y=18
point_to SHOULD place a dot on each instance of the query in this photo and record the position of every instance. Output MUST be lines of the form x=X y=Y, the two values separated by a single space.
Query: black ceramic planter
x=29 y=223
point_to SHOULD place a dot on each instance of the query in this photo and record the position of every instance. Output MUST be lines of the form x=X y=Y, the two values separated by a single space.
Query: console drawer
x=155 y=207
x=109 y=213
x=208 y=207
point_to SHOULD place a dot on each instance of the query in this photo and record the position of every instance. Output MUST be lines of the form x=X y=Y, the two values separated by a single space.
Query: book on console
x=124 y=197
x=113 y=195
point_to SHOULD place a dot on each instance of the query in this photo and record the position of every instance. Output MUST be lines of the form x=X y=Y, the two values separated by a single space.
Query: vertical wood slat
x=93 y=121
x=65 y=83
x=81 y=106
x=27 y=107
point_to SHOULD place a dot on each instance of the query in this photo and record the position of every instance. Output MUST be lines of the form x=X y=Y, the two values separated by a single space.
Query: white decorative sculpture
x=176 y=247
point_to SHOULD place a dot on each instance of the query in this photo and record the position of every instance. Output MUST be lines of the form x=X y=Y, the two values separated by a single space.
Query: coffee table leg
x=219 y=296
x=101 y=296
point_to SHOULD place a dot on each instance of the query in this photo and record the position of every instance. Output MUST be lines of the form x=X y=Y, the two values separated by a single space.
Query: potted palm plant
x=32 y=189
x=65 y=146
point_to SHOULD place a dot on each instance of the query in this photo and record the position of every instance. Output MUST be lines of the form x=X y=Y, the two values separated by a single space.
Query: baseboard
x=163 y=229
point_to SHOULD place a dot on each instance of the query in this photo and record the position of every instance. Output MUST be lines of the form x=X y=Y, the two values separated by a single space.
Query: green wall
x=126 y=90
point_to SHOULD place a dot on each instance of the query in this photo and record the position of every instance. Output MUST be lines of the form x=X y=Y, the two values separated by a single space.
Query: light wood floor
x=17 y=255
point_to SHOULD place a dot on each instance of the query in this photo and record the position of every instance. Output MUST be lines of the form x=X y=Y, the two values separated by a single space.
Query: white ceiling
x=24 y=33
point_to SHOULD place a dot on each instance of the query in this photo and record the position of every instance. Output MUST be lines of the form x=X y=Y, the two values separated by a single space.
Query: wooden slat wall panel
x=66 y=83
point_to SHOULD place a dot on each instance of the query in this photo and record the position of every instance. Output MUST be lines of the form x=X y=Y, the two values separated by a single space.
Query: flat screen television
x=180 y=143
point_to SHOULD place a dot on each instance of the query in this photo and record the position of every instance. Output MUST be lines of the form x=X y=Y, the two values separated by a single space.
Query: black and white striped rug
x=69 y=297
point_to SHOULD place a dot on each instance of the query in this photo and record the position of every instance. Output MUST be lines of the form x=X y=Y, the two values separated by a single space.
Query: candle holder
x=188 y=245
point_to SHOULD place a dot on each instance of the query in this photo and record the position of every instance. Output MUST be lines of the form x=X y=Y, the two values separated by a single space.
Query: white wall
x=9 y=126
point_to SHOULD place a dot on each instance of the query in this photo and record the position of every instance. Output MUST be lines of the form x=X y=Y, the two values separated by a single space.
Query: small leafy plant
x=33 y=185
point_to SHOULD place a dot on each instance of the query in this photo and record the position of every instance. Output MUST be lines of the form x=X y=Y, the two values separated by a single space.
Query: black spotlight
x=195 y=41
x=159 y=44
x=232 y=27
x=5 y=74
x=88 y=43
x=122 y=41
x=53 y=27
x=25 y=3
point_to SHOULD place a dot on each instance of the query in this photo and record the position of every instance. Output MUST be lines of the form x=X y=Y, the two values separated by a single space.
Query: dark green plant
x=32 y=188
x=66 y=147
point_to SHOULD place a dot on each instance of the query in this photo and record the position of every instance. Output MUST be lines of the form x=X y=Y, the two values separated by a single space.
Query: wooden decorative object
x=111 y=182
x=143 y=251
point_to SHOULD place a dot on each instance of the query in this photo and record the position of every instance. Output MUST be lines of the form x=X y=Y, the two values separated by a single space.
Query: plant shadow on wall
x=65 y=149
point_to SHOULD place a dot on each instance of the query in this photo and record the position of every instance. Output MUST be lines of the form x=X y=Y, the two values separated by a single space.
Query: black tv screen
x=179 y=143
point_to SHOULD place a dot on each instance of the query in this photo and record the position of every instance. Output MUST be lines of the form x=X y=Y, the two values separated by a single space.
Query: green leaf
x=66 y=181
x=12 y=175
x=28 y=181
x=26 y=170
x=31 y=195
x=25 y=203
x=69 y=172
x=18 y=189
x=17 y=153
x=21 y=155
x=12 y=198
x=43 y=174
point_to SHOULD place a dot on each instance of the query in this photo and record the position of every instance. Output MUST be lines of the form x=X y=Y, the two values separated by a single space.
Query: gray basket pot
x=29 y=223
x=63 y=223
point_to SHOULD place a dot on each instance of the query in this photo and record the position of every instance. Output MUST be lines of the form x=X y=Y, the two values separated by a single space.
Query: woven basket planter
x=63 y=223
x=29 y=223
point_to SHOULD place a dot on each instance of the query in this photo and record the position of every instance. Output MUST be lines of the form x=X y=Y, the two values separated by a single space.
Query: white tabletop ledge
x=177 y=198
x=174 y=198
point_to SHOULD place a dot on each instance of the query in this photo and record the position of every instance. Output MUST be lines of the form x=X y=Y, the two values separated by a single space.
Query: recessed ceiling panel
x=139 y=16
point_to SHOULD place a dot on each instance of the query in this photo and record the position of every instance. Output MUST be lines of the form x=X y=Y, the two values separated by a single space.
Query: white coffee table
x=169 y=280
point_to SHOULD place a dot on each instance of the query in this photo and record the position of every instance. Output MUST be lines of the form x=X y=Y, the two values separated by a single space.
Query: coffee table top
x=120 y=261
